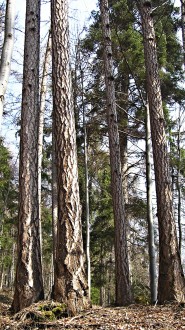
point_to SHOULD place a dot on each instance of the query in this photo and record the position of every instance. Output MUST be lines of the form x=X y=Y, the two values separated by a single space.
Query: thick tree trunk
x=70 y=284
x=28 y=281
x=123 y=288
x=7 y=50
x=171 y=284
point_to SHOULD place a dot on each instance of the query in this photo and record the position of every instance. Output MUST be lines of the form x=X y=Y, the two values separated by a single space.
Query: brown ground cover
x=136 y=317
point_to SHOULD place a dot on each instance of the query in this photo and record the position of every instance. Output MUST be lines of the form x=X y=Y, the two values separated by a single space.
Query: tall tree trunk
x=151 y=242
x=123 y=288
x=70 y=284
x=43 y=91
x=54 y=197
x=28 y=281
x=183 y=25
x=7 y=50
x=86 y=189
x=179 y=182
x=171 y=284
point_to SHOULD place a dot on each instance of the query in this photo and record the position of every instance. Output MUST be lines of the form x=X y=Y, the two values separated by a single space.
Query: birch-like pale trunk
x=28 y=280
x=123 y=287
x=171 y=284
x=6 y=55
x=151 y=242
x=43 y=91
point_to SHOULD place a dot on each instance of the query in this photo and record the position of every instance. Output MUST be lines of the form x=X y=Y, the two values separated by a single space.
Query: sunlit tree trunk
x=171 y=284
x=7 y=50
x=28 y=281
x=123 y=288
x=70 y=284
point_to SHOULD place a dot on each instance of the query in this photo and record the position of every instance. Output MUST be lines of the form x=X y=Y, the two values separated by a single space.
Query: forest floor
x=137 y=317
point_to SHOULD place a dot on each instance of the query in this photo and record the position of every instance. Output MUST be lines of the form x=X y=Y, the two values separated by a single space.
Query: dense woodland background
x=89 y=99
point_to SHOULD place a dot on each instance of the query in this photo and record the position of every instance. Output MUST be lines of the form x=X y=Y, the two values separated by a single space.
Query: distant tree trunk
x=123 y=288
x=28 y=281
x=7 y=50
x=86 y=190
x=43 y=91
x=179 y=182
x=54 y=197
x=151 y=242
x=70 y=285
x=171 y=284
x=183 y=25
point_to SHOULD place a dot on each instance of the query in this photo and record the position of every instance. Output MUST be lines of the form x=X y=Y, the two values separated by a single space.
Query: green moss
x=53 y=311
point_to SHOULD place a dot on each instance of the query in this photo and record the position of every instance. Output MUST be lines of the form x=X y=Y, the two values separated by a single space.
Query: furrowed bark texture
x=123 y=289
x=28 y=282
x=70 y=284
x=6 y=51
x=171 y=285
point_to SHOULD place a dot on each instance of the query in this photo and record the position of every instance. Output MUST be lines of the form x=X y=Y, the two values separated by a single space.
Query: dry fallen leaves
x=137 y=317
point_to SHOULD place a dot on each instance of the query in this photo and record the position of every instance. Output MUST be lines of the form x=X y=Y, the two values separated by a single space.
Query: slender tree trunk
x=123 y=288
x=54 y=197
x=70 y=284
x=179 y=183
x=171 y=284
x=28 y=281
x=86 y=191
x=151 y=242
x=43 y=91
x=6 y=52
x=183 y=25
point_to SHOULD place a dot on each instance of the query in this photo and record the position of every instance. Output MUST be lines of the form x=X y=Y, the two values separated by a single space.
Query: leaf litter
x=136 y=317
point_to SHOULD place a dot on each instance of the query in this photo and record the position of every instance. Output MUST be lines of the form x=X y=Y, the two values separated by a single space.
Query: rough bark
x=28 y=281
x=123 y=289
x=70 y=284
x=171 y=284
x=7 y=50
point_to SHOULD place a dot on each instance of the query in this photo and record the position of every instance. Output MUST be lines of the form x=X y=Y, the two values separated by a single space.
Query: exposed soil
x=168 y=317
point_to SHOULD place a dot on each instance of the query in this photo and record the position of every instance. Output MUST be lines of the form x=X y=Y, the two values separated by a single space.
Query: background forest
x=92 y=135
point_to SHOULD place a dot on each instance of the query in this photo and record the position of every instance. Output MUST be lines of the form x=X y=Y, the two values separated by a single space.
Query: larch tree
x=123 y=287
x=171 y=284
x=7 y=50
x=70 y=286
x=28 y=280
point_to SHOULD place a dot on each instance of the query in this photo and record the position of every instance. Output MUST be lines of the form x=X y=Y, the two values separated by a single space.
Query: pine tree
x=70 y=285
x=28 y=281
